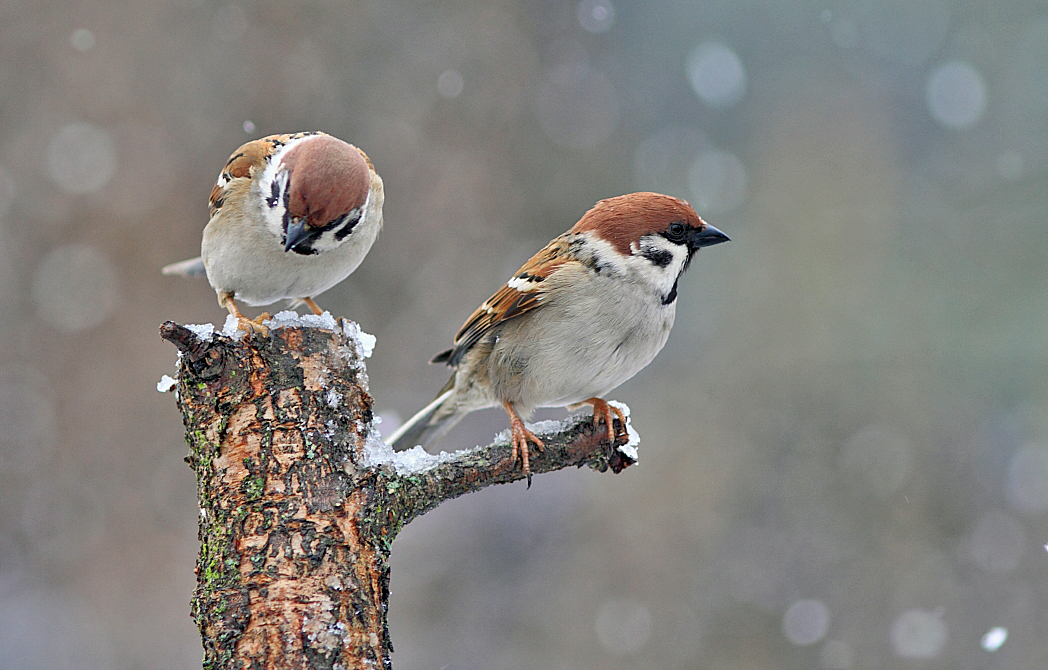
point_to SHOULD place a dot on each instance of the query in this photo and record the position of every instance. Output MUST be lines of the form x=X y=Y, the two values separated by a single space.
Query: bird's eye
x=676 y=231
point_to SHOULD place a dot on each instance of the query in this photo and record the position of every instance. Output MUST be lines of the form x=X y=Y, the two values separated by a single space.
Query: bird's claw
x=252 y=326
x=602 y=409
x=520 y=450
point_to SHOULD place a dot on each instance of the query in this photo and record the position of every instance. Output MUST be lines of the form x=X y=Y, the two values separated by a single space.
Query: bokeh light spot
x=956 y=94
x=75 y=287
x=81 y=158
x=623 y=626
x=918 y=633
x=716 y=74
x=450 y=84
x=1027 y=485
x=994 y=638
x=596 y=16
x=806 y=622
x=996 y=543
x=717 y=181
x=82 y=39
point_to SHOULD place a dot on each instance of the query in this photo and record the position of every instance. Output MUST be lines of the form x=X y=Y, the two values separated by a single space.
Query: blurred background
x=844 y=456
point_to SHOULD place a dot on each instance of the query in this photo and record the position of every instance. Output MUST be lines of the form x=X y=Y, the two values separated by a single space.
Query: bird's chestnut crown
x=328 y=179
x=622 y=221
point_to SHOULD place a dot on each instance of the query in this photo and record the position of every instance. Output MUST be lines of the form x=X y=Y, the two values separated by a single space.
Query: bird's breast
x=579 y=344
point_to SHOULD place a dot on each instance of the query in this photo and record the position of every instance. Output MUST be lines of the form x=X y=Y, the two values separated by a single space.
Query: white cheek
x=660 y=278
x=272 y=216
x=608 y=255
x=274 y=219
x=273 y=165
x=644 y=272
x=326 y=241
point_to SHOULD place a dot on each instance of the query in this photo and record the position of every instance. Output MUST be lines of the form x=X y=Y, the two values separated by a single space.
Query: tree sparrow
x=291 y=216
x=585 y=314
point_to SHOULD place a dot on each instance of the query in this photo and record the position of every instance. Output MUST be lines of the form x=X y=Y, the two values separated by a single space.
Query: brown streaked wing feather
x=508 y=303
x=245 y=160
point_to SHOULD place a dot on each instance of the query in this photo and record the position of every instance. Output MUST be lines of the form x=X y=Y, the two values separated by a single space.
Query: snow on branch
x=299 y=497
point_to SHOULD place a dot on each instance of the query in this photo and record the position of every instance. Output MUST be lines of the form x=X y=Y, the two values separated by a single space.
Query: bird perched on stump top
x=291 y=216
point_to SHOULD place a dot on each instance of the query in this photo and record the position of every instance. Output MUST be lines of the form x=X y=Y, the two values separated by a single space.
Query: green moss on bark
x=295 y=528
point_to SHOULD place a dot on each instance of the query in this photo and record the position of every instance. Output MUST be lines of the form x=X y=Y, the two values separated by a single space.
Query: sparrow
x=586 y=313
x=291 y=216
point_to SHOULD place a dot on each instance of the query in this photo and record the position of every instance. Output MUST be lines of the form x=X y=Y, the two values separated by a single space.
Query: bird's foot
x=520 y=438
x=249 y=326
x=312 y=305
x=252 y=326
x=603 y=410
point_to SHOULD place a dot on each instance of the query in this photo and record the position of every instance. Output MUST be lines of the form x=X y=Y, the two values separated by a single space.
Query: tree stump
x=299 y=499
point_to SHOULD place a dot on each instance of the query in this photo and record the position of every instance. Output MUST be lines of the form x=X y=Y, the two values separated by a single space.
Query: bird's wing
x=245 y=161
x=524 y=292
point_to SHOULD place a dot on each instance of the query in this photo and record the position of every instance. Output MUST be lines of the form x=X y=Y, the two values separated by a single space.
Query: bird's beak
x=707 y=237
x=297 y=230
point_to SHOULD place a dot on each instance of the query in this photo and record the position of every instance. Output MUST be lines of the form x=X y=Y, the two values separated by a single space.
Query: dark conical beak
x=707 y=237
x=297 y=231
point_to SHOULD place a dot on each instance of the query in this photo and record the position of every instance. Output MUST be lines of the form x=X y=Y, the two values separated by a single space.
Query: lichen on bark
x=296 y=524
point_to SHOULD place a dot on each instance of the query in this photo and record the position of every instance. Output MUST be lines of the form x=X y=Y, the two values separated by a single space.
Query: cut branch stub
x=297 y=509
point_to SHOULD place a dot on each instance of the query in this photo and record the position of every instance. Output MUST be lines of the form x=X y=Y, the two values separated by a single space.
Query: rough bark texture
x=295 y=521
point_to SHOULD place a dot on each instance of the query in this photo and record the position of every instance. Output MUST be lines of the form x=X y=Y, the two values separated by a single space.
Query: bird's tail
x=194 y=267
x=427 y=426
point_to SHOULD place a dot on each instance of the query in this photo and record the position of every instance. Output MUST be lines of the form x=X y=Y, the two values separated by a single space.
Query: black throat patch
x=672 y=295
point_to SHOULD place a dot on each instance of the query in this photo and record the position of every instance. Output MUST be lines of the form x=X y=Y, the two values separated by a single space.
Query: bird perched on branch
x=291 y=216
x=585 y=314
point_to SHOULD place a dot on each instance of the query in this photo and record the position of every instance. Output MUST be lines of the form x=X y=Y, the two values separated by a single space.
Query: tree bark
x=300 y=503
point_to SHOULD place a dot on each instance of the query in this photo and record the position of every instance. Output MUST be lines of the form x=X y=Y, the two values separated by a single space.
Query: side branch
x=299 y=502
x=577 y=443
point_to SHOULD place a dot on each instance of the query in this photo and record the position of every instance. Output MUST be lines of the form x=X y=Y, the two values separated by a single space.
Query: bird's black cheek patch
x=274 y=194
x=344 y=224
x=659 y=257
